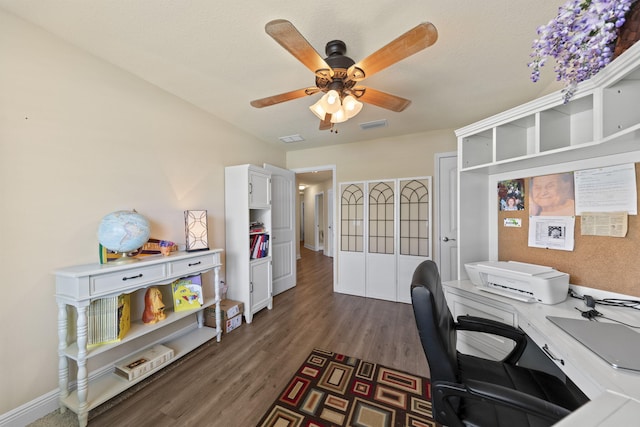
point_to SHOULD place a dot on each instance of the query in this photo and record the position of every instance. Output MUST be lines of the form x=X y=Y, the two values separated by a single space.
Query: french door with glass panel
x=385 y=232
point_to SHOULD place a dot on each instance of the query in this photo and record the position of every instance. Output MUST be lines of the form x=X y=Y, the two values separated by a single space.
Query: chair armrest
x=480 y=324
x=443 y=392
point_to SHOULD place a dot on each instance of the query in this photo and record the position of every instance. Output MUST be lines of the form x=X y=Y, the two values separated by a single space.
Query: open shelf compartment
x=477 y=149
x=567 y=125
x=106 y=386
x=516 y=138
x=620 y=108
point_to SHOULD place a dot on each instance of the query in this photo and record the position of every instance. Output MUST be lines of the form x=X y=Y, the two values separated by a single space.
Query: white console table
x=614 y=393
x=182 y=331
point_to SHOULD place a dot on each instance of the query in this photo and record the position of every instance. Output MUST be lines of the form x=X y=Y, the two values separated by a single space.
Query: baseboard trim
x=49 y=402
x=43 y=405
x=312 y=248
x=31 y=411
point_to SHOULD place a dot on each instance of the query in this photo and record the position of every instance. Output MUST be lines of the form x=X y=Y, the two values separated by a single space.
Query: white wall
x=310 y=211
x=405 y=156
x=80 y=138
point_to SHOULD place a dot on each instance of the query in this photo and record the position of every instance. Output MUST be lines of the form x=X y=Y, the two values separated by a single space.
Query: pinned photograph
x=511 y=195
x=552 y=195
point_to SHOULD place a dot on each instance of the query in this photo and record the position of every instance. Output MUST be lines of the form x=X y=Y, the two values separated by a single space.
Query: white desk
x=614 y=393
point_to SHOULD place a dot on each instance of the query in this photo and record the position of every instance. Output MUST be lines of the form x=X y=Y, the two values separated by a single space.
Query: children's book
x=109 y=319
x=187 y=293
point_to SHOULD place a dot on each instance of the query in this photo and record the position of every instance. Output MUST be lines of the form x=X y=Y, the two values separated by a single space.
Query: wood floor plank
x=232 y=383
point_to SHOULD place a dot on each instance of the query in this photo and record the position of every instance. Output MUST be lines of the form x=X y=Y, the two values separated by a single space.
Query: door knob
x=446 y=239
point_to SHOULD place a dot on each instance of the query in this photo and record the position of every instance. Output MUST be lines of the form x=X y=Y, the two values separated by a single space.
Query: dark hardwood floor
x=232 y=383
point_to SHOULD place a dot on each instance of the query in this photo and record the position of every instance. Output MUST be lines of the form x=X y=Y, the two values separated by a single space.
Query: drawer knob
x=132 y=277
x=195 y=263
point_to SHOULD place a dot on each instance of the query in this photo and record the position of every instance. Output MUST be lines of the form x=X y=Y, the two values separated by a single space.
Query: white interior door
x=351 y=257
x=447 y=246
x=415 y=230
x=318 y=219
x=328 y=245
x=283 y=232
x=381 y=240
x=301 y=228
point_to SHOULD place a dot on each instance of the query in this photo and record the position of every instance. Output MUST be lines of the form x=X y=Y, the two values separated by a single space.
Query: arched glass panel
x=381 y=218
x=414 y=217
x=352 y=217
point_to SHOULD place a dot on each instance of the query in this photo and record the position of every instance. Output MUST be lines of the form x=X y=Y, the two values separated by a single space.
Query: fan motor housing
x=336 y=58
x=339 y=63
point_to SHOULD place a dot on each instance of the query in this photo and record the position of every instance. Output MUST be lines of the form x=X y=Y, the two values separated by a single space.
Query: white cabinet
x=248 y=237
x=183 y=331
x=259 y=189
x=260 y=284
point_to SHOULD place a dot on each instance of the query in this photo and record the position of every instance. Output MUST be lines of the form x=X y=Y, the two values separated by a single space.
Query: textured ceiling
x=216 y=55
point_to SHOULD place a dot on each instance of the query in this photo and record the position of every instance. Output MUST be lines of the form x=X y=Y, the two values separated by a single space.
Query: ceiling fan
x=338 y=76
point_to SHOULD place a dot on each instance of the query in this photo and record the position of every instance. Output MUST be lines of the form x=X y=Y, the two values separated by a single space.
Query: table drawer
x=191 y=265
x=121 y=280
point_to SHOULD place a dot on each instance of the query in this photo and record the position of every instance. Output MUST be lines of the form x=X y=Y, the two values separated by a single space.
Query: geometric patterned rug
x=332 y=389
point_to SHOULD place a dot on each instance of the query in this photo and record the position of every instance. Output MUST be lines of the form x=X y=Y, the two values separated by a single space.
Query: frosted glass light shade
x=351 y=106
x=331 y=102
x=339 y=116
x=318 y=110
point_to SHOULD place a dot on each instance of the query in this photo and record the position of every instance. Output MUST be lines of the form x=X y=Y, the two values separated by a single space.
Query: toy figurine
x=166 y=247
x=153 y=306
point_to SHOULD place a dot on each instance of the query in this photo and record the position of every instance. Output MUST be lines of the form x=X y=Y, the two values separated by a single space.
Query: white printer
x=519 y=280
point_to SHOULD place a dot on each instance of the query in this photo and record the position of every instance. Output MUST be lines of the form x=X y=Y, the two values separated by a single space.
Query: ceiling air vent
x=375 y=124
x=291 y=138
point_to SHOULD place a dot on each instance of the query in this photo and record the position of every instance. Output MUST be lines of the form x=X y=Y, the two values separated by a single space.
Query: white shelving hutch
x=248 y=200
x=93 y=368
x=598 y=127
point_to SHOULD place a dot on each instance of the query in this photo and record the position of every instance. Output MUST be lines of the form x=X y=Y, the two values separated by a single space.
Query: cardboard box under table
x=231 y=313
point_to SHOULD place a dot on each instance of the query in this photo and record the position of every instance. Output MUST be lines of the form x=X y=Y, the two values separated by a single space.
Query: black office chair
x=472 y=391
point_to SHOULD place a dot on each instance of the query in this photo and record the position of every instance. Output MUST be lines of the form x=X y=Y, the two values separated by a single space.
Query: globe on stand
x=124 y=232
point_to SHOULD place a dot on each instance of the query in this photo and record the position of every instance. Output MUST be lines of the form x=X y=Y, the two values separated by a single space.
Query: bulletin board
x=606 y=263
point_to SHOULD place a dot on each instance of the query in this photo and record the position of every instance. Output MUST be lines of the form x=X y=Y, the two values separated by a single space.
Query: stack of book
x=144 y=362
x=259 y=245
x=109 y=319
x=256 y=227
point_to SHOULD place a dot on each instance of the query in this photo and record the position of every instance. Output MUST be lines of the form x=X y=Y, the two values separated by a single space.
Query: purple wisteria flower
x=581 y=39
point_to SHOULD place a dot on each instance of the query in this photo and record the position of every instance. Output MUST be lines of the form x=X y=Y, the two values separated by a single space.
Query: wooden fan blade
x=413 y=41
x=288 y=96
x=326 y=123
x=384 y=100
x=290 y=38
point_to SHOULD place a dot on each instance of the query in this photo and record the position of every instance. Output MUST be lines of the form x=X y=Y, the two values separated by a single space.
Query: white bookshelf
x=248 y=200
x=93 y=368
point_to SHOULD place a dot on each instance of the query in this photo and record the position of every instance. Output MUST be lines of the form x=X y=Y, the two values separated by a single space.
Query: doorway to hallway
x=315 y=214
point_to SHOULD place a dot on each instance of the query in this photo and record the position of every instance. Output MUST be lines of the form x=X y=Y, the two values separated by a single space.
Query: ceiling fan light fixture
x=351 y=106
x=338 y=75
x=318 y=109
